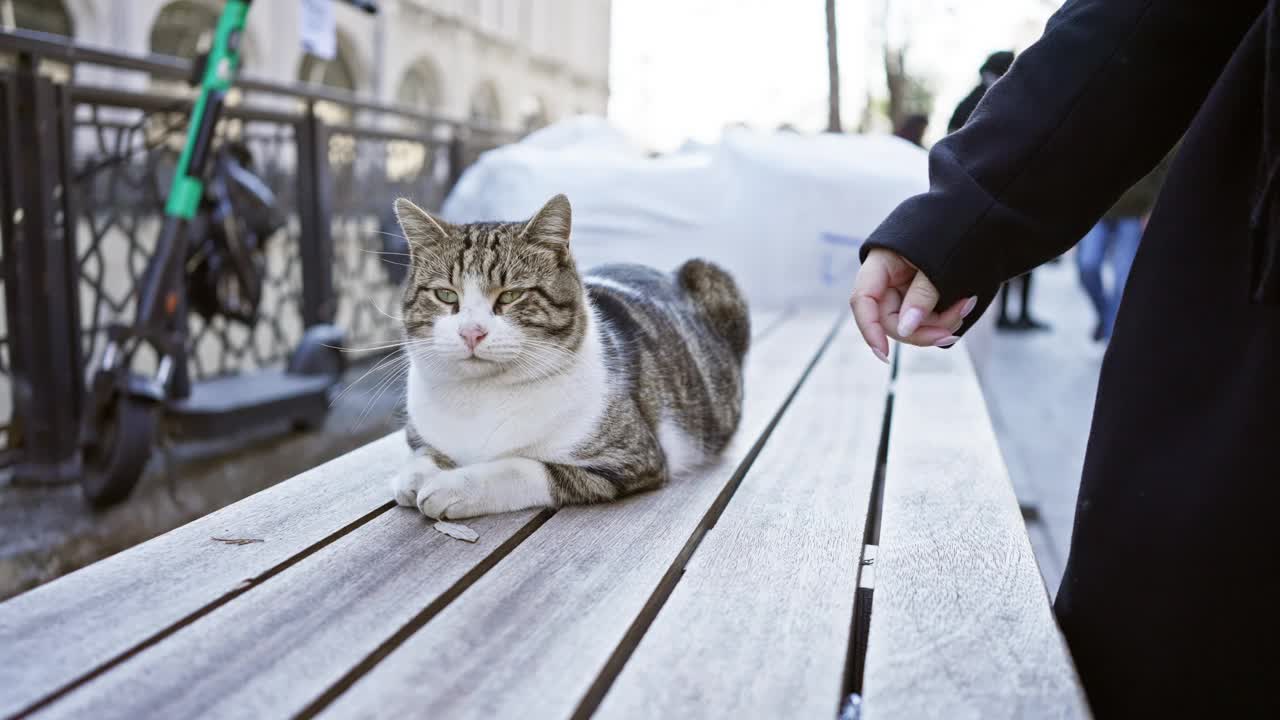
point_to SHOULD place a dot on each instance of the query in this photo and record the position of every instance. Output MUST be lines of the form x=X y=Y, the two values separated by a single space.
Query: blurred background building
x=512 y=63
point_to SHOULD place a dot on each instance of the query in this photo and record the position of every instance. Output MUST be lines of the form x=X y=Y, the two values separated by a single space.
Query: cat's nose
x=472 y=335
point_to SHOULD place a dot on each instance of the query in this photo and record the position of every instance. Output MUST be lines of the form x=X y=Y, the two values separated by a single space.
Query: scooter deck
x=224 y=405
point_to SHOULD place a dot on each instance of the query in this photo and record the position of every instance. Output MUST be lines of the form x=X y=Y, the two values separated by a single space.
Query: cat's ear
x=552 y=223
x=421 y=229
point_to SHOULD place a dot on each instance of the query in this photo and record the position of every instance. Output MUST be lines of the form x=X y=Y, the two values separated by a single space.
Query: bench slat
x=532 y=635
x=960 y=624
x=759 y=624
x=269 y=652
x=56 y=633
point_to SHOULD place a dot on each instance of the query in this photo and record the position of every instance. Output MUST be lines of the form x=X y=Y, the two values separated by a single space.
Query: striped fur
x=581 y=389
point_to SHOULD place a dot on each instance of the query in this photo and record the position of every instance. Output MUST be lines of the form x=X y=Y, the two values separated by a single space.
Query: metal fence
x=83 y=175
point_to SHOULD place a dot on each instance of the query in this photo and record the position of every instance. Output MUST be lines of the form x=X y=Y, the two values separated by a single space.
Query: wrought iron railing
x=334 y=183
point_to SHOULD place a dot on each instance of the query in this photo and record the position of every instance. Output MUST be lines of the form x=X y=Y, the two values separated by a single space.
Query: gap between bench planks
x=961 y=625
x=533 y=635
x=99 y=617
x=768 y=600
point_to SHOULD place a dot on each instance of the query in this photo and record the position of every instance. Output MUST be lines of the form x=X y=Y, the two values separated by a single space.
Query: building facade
x=513 y=63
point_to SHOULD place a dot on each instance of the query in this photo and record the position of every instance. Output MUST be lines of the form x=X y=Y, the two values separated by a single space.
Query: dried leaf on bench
x=457 y=531
x=237 y=541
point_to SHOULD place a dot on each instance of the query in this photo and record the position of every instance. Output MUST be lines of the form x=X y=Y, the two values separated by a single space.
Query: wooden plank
x=764 y=322
x=56 y=633
x=531 y=637
x=759 y=624
x=271 y=652
x=960 y=625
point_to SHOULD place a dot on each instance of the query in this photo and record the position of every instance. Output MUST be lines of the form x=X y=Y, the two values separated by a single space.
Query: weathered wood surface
x=271 y=652
x=55 y=634
x=90 y=618
x=759 y=624
x=531 y=637
x=728 y=593
x=961 y=625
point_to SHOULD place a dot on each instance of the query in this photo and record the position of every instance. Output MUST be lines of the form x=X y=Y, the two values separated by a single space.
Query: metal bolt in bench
x=727 y=594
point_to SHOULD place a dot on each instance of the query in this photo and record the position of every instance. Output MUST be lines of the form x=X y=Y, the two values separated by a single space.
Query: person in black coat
x=1170 y=601
x=994 y=68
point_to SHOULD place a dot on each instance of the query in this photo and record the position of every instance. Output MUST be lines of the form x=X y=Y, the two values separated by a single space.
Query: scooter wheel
x=112 y=465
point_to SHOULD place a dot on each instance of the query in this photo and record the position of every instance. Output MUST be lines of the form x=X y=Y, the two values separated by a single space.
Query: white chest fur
x=474 y=421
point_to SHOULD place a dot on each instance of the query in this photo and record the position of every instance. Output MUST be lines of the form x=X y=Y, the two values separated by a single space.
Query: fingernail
x=969 y=306
x=880 y=354
x=947 y=341
x=909 y=321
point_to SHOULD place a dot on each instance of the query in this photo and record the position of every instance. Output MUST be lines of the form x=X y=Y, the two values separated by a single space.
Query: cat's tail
x=717 y=295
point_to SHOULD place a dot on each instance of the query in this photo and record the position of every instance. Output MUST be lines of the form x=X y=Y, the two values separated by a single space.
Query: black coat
x=1171 y=598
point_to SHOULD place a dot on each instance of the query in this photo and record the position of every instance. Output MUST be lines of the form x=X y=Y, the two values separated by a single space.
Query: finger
x=866 y=313
x=951 y=321
x=933 y=330
x=919 y=302
x=890 y=307
x=953 y=316
x=932 y=336
x=869 y=289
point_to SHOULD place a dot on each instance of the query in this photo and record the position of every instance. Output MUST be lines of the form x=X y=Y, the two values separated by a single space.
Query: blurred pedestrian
x=1115 y=238
x=912 y=128
x=1170 y=594
x=995 y=66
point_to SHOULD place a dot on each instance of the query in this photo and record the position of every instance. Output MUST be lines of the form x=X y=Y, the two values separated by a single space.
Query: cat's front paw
x=451 y=496
x=405 y=484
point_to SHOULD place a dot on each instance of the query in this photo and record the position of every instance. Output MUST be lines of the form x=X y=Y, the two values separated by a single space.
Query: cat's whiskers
x=384 y=312
x=387 y=252
x=388 y=346
x=390 y=358
x=394 y=376
x=542 y=367
x=392 y=380
x=388 y=367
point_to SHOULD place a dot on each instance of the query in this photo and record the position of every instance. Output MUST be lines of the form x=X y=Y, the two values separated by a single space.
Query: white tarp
x=784 y=212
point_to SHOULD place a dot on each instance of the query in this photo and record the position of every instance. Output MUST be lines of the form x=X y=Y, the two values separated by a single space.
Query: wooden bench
x=730 y=594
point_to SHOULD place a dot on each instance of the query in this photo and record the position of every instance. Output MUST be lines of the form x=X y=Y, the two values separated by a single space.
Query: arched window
x=179 y=27
x=485 y=107
x=48 y=16
x=336 y=73
x=420 y=88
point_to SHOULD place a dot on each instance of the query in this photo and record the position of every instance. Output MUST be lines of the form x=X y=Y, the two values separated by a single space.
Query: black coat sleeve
x=1083 y=113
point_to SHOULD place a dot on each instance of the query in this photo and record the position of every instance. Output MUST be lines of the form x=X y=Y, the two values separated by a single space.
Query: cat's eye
x=510 y=296
x=446 y=296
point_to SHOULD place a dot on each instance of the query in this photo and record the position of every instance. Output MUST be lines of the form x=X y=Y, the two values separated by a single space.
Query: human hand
x=892 y=299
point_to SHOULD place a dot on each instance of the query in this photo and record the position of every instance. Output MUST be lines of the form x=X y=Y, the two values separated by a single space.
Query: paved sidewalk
x=1040 y=389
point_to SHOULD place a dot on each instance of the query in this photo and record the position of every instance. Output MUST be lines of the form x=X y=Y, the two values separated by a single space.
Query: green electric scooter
x=208 y=259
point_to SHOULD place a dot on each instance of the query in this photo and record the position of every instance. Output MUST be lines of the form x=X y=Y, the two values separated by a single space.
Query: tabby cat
x=530 y=385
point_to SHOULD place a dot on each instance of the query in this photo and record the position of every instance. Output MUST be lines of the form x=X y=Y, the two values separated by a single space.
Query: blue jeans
x=1119 y=238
